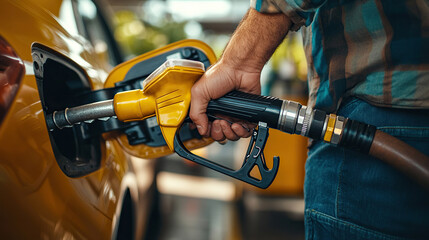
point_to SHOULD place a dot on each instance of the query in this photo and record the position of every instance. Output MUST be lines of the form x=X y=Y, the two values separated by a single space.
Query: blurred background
x=198 y=203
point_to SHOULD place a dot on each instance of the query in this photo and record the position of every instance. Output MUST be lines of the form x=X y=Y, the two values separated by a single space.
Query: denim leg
x=350 y=195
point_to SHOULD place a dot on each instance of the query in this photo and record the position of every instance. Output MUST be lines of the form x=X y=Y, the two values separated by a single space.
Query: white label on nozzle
x=172 y=63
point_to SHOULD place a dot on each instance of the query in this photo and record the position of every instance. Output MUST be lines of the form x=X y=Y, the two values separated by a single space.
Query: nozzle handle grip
x=249 y=107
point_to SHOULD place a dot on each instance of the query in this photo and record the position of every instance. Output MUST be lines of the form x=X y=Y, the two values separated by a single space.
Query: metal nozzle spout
x=71 y=116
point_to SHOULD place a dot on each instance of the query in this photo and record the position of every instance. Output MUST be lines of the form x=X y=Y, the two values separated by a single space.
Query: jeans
x=350 y=195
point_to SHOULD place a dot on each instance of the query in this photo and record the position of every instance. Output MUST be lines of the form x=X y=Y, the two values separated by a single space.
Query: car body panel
x=37 y=199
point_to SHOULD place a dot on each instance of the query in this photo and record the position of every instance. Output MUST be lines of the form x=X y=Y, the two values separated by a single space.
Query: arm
x=239 y=68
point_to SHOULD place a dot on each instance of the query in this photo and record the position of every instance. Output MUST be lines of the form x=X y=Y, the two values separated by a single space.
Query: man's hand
x=239 y=68
x=220 y=79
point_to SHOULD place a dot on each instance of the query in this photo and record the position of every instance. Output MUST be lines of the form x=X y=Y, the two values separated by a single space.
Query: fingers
x=222 y=130
x=216 y=131
x=213 y=84
x=242 y=129
x=197 y=112
x=217 y=81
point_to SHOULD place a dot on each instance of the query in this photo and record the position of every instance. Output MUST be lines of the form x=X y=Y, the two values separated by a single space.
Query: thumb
x=197 y=113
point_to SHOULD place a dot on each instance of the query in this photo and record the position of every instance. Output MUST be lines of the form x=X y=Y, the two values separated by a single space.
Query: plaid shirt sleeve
x=376 y=50
x=301 y=12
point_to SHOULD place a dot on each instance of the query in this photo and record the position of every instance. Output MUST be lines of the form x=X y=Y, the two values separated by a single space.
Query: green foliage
x=137 y=36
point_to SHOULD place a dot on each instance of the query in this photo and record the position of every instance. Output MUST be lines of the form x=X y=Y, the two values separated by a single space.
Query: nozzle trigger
x=254 y=156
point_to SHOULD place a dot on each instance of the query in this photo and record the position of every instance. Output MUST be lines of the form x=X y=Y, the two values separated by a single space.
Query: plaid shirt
x=377 y=50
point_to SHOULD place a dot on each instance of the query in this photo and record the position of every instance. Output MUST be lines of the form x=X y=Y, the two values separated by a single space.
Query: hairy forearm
x=239 y=68
x=255 y=40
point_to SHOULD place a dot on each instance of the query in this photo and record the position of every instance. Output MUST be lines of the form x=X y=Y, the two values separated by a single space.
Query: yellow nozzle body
x=167 y=95
x=133 y=105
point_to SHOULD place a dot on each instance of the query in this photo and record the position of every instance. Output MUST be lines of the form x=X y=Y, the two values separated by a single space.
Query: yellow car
x=38 y=200
x=92 y=180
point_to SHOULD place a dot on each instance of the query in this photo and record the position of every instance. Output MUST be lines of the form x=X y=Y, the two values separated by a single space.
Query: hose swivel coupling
x=295 y=118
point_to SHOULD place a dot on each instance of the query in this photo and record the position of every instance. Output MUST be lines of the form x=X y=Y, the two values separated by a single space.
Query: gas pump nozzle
x=166 y=94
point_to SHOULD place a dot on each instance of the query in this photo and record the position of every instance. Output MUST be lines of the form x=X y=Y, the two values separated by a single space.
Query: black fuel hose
x=293 y=118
